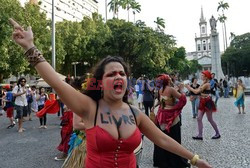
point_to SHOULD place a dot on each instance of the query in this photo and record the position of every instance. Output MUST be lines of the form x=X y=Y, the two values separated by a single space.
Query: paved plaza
x=36 y=148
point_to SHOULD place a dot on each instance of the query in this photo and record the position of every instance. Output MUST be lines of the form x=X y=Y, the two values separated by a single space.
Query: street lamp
x=75 y=63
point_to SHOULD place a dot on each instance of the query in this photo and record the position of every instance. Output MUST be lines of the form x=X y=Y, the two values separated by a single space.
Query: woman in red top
x=113 y=128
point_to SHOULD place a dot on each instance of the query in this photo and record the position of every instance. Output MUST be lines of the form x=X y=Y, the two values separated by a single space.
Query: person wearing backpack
x=19 y=92
x=9 y=106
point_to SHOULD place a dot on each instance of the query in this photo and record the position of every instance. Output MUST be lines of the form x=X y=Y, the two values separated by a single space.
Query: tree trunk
x=225 y=33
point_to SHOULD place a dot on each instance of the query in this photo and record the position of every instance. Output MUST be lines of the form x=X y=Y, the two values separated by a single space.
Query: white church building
x=202 y=45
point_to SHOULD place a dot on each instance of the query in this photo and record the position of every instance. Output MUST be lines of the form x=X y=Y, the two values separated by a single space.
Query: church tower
x=203 y=25
x=203 y=46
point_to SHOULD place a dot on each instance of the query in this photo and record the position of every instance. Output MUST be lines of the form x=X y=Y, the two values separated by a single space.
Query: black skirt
x=165 y=159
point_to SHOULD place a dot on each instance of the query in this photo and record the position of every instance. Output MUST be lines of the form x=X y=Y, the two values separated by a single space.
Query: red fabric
x=103 y=151
x=66 y=131
x=50 y=106
x=167 y=116
x=207 y=104
x=207 y=74
x=9 y=112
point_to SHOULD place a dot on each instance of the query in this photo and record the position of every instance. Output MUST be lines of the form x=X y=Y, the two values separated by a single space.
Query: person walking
x=113 y=127
x=19 y=92
x=9 y=106
x=206 y=105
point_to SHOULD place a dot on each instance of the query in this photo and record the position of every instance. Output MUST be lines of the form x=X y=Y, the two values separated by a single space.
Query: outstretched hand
x=22 y=37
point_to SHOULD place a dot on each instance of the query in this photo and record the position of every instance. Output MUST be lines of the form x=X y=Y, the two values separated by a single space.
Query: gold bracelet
x=34 y=56
x=194 y=160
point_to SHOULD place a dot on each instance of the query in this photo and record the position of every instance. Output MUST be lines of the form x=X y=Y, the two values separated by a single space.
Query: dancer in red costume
x=206 y=105
x=113 y=127
x=66 y=131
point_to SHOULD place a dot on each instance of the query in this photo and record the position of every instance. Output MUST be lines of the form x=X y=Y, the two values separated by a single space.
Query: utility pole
x=53 y=36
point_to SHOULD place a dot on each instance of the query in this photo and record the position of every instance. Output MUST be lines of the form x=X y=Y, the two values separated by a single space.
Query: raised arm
x=76 y=101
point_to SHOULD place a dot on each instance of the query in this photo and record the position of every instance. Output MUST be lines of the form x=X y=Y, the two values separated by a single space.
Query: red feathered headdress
x=207 y=74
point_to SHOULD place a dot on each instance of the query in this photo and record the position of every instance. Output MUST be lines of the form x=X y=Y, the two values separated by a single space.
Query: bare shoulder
x=136 y=110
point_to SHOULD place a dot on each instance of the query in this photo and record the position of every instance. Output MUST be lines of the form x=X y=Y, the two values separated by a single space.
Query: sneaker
x=61 y=157
x=45 y=127
x=20 y=130
x=41 y=126
x=10 y=126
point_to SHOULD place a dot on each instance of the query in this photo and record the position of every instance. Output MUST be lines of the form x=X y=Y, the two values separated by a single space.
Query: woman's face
x=195 y=81
x=114 y=81
x=239 y=82
x=42 y=90
x=203 y=77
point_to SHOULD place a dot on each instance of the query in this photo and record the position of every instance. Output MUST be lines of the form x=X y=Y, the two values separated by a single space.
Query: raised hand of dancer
x=22 y=37
x=202 y=164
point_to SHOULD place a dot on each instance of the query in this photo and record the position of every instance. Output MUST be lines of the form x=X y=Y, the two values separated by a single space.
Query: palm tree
x=106 y=10
x=223 y=6
x=160 y=23
x=222 y=20
x=136 y=8
x=114 y=7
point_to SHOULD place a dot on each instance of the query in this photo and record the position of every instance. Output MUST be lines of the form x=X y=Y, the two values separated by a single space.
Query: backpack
x=29 y=98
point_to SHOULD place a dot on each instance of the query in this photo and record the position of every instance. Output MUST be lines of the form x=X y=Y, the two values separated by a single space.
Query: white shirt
x=20 y=100
x=137 y=88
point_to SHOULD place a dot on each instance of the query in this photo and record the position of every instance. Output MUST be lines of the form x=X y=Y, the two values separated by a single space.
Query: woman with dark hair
x=41 y=98
x=168 y=121
x=206 y=105
x=194 y=98
x=113 y=127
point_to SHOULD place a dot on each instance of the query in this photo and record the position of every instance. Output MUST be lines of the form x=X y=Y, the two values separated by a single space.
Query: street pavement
x=36 y=148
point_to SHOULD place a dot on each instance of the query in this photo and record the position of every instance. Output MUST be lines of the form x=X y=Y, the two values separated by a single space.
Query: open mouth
x=118 y=87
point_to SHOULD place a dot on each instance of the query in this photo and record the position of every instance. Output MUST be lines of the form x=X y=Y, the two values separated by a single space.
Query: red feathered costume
x=67 y=129
x=167 y=116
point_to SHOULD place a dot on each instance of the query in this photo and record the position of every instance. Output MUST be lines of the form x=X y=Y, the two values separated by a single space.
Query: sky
x=182 y=17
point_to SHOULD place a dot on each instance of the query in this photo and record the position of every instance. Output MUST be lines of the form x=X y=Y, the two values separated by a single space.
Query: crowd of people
x=102 y=126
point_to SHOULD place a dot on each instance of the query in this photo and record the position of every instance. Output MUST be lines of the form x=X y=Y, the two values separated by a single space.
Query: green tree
x=114 y=7
x=237 y=56
x=12 y=60
x=136 y=7
x=160 y=23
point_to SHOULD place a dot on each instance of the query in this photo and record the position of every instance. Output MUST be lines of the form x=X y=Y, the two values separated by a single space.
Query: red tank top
x=104 y=151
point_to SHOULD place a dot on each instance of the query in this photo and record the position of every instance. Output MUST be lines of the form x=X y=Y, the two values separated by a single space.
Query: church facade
x=202 y=45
